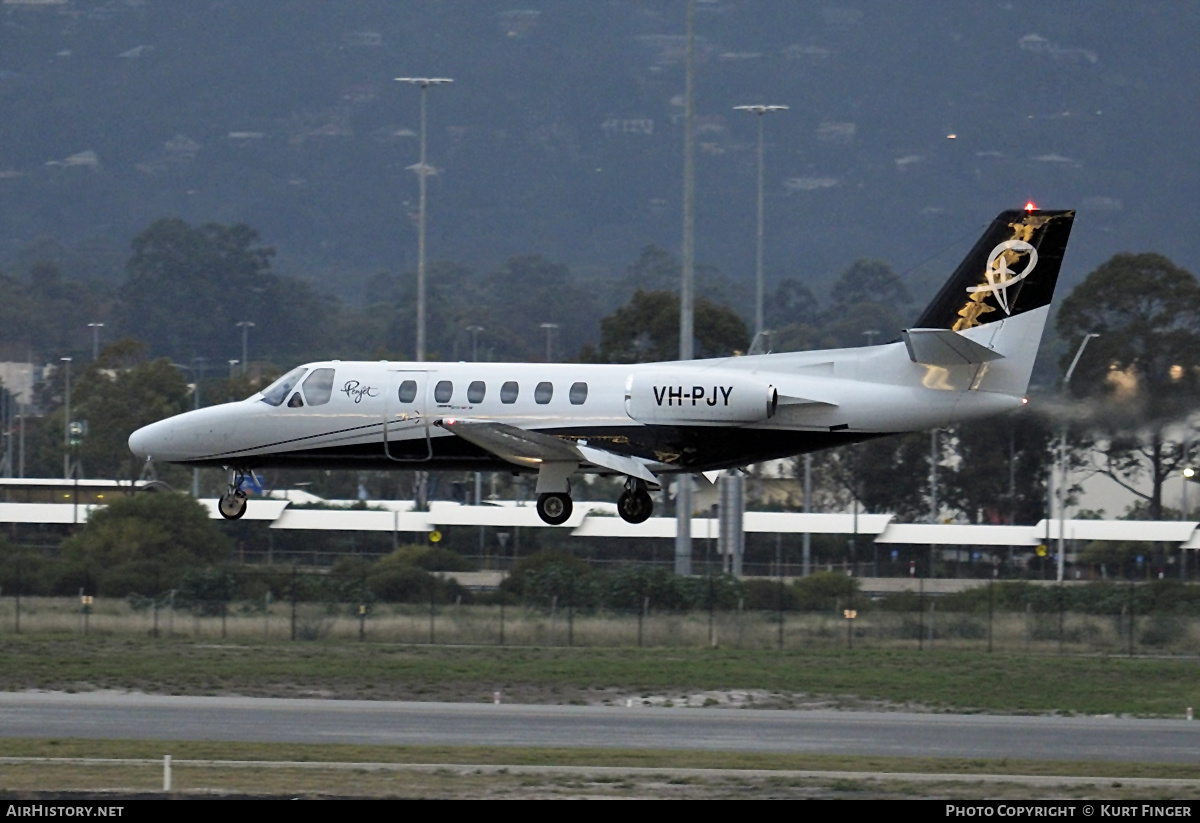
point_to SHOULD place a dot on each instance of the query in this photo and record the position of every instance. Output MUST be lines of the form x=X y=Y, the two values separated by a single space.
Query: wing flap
x=631 y=466
x=525 y=448
x=533 y=449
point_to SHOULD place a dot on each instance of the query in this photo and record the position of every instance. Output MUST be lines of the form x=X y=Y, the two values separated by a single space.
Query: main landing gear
x=232 y=504
x=634 y=505
x=554 y=507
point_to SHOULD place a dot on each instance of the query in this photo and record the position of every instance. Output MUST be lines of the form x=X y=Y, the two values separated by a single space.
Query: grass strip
x=945 y=680
x=536 y=756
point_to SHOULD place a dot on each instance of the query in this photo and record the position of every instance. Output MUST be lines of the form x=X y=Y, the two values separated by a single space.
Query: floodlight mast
x=1062 y=460
x=759 y=110
x=687 y=332
x=423 y=171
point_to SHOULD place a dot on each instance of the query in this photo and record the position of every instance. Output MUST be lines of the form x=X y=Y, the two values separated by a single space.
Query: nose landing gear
x=232 y=504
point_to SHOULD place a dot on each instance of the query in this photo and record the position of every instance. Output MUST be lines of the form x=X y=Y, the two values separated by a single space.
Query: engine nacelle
x=709 y=397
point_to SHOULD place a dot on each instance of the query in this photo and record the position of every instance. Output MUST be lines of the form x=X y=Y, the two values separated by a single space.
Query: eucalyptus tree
x=1142 y=374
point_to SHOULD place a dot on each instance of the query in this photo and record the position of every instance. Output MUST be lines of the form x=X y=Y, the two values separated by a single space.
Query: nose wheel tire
x=232 y=505
x=635 y=506
x=554 y=507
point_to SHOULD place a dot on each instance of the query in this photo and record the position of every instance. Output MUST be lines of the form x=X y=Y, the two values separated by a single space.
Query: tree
x=888 y=474
x=1002 y=468
x=144 y=542
x=529 y=290
x=867 y=297
x=188 y=286
x=793 y=315
x=647 y=329
x=1144 y=368
x=656 y=269
x=119 y=393
x=48 y=314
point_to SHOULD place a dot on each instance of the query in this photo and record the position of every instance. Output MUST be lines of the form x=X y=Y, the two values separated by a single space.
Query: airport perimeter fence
x=561 y=609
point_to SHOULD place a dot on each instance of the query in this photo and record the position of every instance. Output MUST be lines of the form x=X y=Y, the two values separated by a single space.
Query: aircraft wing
x=533 y=449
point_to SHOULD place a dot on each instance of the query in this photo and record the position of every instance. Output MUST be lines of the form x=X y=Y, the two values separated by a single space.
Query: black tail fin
x=1012 y=269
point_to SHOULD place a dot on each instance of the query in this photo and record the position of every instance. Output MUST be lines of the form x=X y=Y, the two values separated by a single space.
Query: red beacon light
x=1031 y=206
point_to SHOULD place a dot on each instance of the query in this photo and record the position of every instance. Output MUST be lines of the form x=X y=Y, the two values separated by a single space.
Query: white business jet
x=968 y=356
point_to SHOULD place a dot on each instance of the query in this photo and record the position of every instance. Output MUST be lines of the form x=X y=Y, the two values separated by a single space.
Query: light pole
x=245 y=326
x=687 y=331
x=423 y=171
x=870 y=334
x=198 y=374
x=95 y=327
x=759 y=111
x=475 y=330
x=549 y=327
x=67 y=421
x=1062 y=458
x=233 y=369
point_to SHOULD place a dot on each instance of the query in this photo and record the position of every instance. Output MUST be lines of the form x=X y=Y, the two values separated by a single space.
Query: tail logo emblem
x=1000 y=276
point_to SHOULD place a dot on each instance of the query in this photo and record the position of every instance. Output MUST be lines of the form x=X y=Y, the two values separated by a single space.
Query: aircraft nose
x=147 y=441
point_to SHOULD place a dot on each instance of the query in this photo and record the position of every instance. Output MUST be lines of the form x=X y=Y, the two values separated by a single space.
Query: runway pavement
x=154 y=717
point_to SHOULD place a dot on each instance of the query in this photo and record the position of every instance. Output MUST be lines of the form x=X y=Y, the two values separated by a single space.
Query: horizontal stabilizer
x=792 y=400
x=942 y=347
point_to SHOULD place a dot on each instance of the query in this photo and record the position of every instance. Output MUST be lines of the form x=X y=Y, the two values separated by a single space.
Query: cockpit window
x=297 y=402
x=318 y=387
x=277 y=392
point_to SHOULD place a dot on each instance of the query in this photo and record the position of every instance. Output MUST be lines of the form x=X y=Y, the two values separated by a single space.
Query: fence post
x=432 y=608
x=1061 y=611
x=362 y=607
x=18 y=615
x=1131 y=616
x=932 y=621
x=294 y=595
x=991 y=608
x=921 y=614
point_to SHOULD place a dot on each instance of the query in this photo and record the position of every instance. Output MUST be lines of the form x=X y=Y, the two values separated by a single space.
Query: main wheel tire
x=554 y=507
x=232 y=505
x=635 y=507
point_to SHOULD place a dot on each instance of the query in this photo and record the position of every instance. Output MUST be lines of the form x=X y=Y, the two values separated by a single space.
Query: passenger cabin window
x=408 y=391
x=476 y=391
x=578 y=393
x=443 y=391
x=277 y=392
x=318 y=387
x=509 y=392
x=543 y=393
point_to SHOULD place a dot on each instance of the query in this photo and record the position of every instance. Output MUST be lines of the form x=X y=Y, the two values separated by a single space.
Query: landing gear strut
x=554 y=507
x=635 y=505
x=232 y=503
